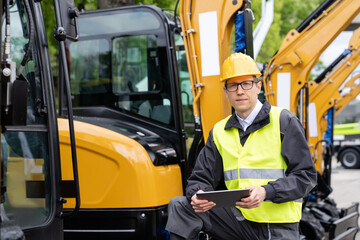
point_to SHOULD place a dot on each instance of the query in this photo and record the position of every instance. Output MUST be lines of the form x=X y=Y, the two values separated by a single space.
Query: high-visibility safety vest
x=255 y=164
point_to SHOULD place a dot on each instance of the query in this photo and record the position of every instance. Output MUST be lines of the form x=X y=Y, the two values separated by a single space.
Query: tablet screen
x=224 y=198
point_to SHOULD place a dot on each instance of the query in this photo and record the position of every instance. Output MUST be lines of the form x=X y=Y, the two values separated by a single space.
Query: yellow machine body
x=115 y=171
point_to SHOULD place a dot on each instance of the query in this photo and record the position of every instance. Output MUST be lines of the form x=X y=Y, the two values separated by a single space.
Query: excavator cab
x=129 y=122
x=126 y=66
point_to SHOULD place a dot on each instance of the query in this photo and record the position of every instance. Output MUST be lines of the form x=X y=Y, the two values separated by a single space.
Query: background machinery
x=347 y=145
x=346 y=136
x=287 y=74
x=325 y=91
x=346 y=97
x=331 y=91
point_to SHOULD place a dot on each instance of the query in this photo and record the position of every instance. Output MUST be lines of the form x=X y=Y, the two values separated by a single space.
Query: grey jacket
x=300 y=177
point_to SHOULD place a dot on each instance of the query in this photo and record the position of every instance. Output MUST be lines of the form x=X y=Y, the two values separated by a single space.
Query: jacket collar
x=261 y=120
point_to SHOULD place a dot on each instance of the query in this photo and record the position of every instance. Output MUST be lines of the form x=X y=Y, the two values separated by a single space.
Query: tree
x=114 y=3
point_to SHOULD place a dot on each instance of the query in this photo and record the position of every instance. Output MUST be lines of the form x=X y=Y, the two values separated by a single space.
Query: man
x=259 y=147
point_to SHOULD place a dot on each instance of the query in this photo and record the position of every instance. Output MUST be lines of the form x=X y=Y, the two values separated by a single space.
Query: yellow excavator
x=31 y=190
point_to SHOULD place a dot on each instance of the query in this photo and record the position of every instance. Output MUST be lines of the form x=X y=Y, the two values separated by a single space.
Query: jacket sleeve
x=301 y=173
x=207 y=174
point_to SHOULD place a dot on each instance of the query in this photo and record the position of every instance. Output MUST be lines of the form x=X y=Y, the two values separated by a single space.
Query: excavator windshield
x=123 y=64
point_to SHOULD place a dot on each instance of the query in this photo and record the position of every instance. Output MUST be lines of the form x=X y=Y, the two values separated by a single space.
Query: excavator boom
x=354 y=86
x=207 y=31
x=288 y=71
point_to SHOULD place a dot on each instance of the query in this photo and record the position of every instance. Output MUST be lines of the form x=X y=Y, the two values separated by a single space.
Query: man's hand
x=256 y=197
x=201 y=205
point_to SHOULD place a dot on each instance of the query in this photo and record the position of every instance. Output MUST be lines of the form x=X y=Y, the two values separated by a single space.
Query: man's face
x=243 y=101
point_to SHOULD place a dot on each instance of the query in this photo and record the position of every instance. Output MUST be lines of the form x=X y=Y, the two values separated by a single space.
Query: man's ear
x=225 y=92
x=224 y=88
x=258 y=85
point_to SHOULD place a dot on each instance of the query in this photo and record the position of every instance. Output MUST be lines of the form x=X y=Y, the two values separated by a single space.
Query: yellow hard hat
x=238 y=64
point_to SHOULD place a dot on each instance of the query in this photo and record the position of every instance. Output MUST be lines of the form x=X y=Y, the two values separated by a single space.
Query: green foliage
x=86 y=4
x=295 y=11
x=50 y=23
x=166 y=4
x=273 y=38
x=318 y=68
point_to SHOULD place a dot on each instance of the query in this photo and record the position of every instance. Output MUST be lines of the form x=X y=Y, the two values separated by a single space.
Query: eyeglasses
x=245 y=85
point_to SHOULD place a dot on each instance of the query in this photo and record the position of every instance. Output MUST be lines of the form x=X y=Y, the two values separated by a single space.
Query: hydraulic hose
x=31 y=39
x=332 y=65
x=176 y=6
x=326 y=175
x=325 y=5
x=7 y=46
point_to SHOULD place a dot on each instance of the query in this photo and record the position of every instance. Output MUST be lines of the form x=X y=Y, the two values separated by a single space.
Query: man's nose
x=239 y=90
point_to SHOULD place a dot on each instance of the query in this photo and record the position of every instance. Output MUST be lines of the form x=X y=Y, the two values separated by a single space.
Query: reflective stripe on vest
x=255 y=164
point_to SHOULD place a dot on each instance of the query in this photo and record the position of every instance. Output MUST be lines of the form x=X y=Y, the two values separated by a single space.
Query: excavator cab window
x=186 y=92
x=123 y=66
x=89 y=73
x=24 y=149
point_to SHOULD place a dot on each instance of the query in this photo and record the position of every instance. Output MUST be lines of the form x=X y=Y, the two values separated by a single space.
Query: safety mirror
x=68 y=16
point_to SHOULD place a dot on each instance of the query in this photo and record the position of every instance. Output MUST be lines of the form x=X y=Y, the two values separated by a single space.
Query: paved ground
x=346 y=186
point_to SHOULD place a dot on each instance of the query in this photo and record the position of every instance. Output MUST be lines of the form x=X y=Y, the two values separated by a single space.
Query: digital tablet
x=224 y=198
